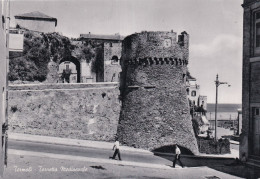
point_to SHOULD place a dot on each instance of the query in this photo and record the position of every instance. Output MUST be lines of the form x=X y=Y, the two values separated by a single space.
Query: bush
x=32 y=65
x=210 y=146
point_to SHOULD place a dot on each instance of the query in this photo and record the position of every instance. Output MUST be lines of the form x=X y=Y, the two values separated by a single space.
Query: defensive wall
x=155 y=109
x=80 y=111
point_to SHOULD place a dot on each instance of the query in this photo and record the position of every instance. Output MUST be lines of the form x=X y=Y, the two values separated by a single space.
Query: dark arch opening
x=180 y=62
x=76 y=62
x=171 y=149
x=172 y=61
x=156 y=61
x=115 y=59
x=176 y=61
x=188 y=91
x=151 y=61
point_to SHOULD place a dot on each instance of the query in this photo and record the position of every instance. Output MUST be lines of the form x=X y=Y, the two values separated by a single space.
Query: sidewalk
x=89 y=159
x=71 y=142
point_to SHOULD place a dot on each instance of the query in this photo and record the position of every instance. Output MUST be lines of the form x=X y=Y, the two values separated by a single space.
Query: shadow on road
x=226 y=165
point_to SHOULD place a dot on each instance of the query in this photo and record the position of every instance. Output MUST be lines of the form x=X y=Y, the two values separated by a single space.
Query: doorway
x=255 y=129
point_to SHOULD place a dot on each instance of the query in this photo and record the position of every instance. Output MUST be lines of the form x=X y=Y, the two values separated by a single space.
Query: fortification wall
x=155 y=110
x=81 y=111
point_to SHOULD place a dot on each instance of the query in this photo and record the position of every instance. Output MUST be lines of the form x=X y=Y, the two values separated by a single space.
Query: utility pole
x=217 y=82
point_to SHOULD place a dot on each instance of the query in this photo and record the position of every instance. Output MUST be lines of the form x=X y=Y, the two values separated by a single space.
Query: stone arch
x=151 y=61
x=136 y=61
x=141 y=60
x=74 y=61
x=172 y=61
x=161 y=61
x=166 y=60
x=176 y=61
x=145 y=62
x=180 y=62
x=171 y=148
x=156 y=61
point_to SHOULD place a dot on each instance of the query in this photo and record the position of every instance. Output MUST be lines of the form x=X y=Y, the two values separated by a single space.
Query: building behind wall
x=193 y=92
x=110 y=54
x=4 y=6
x=250 y=136
x=36 y=21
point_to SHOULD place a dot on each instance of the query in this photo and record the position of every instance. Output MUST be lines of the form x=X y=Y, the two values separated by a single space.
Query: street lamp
x=239 y=111
x=217 y=82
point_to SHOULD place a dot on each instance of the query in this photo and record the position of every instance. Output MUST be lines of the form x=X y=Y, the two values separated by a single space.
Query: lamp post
x=239 y=111
x=217 y=82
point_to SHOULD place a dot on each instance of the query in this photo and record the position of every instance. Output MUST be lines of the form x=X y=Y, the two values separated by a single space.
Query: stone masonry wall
x=244 y=136
x=81 y=111
x=155 y=109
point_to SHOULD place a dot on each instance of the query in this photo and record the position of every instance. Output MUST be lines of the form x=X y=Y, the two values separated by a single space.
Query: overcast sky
x=215 y=28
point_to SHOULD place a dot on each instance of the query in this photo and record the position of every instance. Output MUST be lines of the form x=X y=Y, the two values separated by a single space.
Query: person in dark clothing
x=177 y=156
x=117 y=151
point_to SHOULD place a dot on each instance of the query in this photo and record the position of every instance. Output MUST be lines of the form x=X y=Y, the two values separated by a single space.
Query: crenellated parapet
x=157 y=61
x=156 y=44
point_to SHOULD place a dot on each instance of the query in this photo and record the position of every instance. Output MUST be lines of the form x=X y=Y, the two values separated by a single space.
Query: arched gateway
x=69 y=70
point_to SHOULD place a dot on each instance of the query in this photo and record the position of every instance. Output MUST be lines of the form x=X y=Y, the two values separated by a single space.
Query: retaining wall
x=80 y=111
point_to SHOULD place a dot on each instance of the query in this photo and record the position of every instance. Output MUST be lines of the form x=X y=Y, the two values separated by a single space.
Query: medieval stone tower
x=155 y=110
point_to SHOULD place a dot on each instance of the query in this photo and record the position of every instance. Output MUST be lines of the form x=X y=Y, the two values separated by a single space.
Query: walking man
x=177 y=156
x=117 y=152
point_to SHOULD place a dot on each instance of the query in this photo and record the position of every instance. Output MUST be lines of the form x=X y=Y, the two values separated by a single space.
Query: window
x=257 y=111
x=188 y=91
x=193 y=93
x=67 y=67
x=257 y=33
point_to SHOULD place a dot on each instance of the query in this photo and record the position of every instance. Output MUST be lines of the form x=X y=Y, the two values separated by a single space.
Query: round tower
x=155 y=109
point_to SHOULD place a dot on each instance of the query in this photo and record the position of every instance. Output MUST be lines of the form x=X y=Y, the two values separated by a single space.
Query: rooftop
x=102 y=37
x=36 y=15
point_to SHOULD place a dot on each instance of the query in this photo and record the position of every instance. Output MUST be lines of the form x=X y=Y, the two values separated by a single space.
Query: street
x=74 y=163
x=85 y=152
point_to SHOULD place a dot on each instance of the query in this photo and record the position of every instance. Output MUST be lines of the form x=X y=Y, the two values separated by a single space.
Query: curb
x=71 y=142
x=102 y=145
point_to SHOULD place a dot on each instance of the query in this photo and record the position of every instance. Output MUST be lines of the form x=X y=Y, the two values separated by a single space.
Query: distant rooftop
x=189 y=77
x=36 y=15
x=102 y=37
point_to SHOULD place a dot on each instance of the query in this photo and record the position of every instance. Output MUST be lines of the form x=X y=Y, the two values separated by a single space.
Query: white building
x=193 y=92
x=36 y=21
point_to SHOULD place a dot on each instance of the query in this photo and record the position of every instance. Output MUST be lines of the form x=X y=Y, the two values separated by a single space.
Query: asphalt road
x=125 y=155
x=85 y=152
